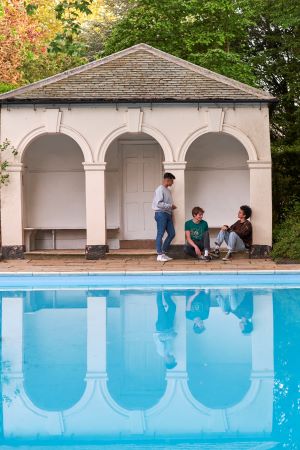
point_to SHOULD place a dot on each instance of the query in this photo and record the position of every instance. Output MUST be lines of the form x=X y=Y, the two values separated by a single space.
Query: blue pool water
x=188 y=362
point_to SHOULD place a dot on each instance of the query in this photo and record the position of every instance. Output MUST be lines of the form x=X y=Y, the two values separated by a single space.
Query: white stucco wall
x=241 y=134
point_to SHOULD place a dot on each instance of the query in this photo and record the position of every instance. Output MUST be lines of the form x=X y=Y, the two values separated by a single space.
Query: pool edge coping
x=153 y=273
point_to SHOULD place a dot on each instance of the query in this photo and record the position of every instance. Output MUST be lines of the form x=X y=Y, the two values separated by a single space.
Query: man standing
x=197 y=235
x=238 y=236
x=163 y=207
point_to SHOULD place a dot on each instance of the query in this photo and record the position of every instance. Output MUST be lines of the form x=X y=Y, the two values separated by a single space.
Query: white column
x=262 y=336
x=261 y=201
x=95 y=203
x=12 y=207
x=96 y=337
x=180 y=341
x=178 y=193
x=12 y=336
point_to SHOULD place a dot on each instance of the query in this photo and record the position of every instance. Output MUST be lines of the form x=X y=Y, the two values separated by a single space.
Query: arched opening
x=55 y=348
x=217 y=178
x=136 y=370
x=54 y=194
x=219 y=360
x=134 y=170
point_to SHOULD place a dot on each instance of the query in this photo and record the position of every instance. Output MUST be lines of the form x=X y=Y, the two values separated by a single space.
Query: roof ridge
x=260 y=94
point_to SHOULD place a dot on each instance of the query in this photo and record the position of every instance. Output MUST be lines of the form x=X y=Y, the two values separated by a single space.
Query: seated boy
x=238 y=236
x=197 y=236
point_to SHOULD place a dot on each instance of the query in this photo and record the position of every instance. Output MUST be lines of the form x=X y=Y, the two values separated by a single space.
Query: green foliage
x=212 y=33
x=274 y=43
x=68 y=13
x=287 y=236
x=286 y=180
x=5 y=87
x=5 y=147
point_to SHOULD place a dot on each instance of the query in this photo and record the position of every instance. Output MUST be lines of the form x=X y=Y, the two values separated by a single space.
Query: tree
x=19 y=37
x=211 y=33
x=274 y=51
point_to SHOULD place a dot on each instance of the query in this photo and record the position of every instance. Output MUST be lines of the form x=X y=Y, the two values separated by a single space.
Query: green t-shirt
x=196 y=229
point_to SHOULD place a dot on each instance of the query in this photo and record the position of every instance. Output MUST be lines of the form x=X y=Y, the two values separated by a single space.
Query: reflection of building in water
x=110 y=352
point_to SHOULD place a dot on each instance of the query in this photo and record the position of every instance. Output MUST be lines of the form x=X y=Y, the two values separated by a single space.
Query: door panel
x=142 y=170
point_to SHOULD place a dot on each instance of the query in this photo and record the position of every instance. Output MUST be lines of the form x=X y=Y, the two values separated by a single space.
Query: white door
x=142 y=172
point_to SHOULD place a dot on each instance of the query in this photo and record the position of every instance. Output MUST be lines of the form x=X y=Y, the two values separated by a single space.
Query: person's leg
x=189 y=250
x=171 y=233
x=235 y=243
x=161 y=221
x=222 y=236
x=206 y=241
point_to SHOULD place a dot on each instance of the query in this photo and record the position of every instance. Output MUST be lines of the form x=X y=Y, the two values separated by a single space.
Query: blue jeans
x=233 y=241
x=164 y=223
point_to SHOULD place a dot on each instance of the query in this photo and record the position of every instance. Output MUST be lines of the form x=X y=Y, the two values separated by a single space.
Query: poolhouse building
x=93 y=143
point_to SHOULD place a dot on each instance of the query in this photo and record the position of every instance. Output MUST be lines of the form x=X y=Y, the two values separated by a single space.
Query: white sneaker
x=167 y=258
x=162 y=258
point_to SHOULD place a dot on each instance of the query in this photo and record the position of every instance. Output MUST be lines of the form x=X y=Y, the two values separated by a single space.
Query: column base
x=13 y=251
x=95 y=251
x=260 y=251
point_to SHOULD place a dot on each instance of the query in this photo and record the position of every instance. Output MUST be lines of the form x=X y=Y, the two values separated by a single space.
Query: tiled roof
x=139 y=73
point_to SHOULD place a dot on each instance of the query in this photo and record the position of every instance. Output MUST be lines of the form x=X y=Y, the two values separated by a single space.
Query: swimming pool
x=156 y=361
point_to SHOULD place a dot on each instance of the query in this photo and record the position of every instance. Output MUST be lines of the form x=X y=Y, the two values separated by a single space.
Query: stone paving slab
x=139 y=264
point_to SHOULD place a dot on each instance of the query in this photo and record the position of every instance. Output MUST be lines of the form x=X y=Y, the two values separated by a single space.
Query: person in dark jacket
x=238 y=236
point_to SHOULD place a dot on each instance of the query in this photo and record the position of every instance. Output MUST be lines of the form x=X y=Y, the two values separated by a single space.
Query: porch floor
x=130 y=260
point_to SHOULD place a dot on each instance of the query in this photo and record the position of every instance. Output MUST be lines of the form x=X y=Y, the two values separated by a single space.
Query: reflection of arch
x=57 y=364
x=151 y=131
x=68 y=131
x=227 y=129
x=142 y=383
x=97 y=414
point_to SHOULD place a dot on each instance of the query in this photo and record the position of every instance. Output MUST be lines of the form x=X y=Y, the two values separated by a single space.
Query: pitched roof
x=139 y=73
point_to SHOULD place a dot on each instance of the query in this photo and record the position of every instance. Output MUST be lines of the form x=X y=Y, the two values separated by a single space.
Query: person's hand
x=174 y=207
x=198 y=251
x=224 y=227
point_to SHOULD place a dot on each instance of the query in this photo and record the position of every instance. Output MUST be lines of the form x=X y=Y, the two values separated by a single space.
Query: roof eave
x=60 y=101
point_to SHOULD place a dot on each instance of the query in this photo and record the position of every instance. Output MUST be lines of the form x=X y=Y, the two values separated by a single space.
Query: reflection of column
x=12 y=214
x=261 y=203
x=180 y=341
x=12 y=336
x=178 y=193
x=96 y=337
x=262 y=336
x=95 y=210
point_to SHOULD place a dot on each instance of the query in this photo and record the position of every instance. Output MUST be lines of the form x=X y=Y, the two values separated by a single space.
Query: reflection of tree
x=287 y=370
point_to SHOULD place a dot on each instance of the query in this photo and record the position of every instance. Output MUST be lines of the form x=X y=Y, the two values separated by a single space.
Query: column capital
x=94 y=166
x=260 y=164
x=15 y=167
x=172 y=165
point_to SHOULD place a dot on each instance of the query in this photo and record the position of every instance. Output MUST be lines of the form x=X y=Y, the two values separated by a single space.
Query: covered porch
x=88 y=164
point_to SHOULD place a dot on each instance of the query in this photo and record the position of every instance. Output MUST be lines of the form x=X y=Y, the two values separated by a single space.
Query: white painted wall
x=217 y=178
x=176 y=128
x=54 y=190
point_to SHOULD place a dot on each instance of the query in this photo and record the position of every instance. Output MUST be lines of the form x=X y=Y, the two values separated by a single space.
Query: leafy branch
x=4 y=147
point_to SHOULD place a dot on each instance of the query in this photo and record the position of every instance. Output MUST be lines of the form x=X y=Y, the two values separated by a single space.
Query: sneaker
x=162 y=258
x=205 y=258
x=227 y=257
x=167 y=258
x=216 y=252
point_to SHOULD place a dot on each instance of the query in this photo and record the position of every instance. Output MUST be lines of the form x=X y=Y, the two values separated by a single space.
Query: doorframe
x=121 y=143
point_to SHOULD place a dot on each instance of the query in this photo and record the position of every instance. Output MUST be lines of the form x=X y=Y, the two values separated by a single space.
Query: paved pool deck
x=136 y=263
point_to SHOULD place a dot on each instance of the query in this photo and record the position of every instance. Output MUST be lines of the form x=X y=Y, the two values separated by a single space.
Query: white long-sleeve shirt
x=162 y=200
